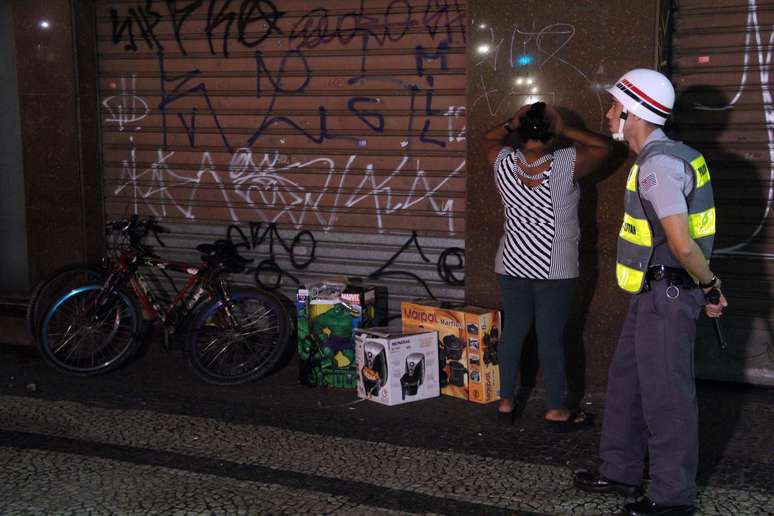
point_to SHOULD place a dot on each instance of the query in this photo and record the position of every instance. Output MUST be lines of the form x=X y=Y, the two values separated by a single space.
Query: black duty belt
x=672 y=275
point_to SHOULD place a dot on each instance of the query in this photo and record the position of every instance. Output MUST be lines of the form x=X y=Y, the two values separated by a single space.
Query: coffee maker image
x=414 y=375
x=453 y=347
x=457 y=372
x=374 y=371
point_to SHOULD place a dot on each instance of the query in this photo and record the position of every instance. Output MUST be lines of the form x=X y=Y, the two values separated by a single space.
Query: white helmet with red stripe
x=645 y=93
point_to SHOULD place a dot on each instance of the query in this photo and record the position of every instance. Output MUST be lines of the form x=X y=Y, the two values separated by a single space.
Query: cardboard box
x=467 y=341
x=395 y=367
x=327 y=315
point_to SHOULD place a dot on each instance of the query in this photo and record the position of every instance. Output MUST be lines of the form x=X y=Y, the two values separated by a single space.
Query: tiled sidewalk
x=289 y=449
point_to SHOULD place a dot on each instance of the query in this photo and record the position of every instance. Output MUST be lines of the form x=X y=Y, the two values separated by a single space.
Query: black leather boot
x=594 y=482
x=647 y=506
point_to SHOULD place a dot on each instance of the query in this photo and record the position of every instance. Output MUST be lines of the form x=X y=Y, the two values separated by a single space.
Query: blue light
x=523 y=60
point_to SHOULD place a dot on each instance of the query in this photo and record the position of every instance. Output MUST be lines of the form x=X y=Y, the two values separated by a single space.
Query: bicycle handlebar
x=222 y=254
x=137 y=229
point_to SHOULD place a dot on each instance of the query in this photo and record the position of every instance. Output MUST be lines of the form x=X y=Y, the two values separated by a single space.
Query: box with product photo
x=396 y=367
x=467 y=343
x=327 y=315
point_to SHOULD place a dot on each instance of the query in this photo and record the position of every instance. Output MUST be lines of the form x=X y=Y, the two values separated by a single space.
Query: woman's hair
x=533 y=125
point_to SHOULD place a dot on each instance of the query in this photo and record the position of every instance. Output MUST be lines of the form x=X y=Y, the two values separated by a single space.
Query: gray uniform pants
x=651 y=396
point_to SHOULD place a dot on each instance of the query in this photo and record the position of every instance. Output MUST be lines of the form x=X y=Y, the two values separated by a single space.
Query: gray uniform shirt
x=663 y=181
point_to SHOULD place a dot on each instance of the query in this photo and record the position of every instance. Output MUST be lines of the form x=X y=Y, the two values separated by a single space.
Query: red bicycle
x=94 y=323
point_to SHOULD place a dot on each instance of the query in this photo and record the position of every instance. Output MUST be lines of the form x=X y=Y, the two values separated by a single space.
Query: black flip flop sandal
x=577 y=420
x=508 y=418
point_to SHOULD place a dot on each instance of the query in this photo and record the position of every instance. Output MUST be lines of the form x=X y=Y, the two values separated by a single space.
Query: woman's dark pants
x=548 y=304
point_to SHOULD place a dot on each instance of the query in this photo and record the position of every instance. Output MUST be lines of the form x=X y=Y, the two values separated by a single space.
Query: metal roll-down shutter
x=721 y=65
x=337 y=125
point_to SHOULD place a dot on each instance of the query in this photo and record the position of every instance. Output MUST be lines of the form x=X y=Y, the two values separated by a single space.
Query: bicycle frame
x=201 y=275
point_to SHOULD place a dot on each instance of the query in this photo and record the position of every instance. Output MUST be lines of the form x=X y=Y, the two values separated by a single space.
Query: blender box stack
x=327 y=315
x=396 y=367
x=467 y=343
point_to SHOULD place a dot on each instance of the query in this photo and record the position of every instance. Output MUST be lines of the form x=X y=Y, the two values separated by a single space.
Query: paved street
x=151 y=439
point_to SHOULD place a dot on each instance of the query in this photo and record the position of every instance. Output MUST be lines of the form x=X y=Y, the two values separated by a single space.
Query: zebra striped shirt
x=541 y=230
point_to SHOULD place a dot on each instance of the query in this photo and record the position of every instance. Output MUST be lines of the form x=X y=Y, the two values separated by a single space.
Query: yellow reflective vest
x=635 y=240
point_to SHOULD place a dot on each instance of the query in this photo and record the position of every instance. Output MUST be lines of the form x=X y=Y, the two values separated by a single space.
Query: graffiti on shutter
x=343 y=121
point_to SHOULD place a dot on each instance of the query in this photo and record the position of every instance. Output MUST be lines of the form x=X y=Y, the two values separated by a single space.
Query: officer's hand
x=715 y=309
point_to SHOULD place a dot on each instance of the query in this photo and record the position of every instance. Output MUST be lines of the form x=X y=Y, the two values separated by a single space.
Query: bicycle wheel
x=88 y=332
x=247 y=344
x=54 y=286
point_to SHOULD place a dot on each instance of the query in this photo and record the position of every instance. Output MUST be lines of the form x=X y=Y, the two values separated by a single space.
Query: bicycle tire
x=102 y=337
x=223 y=355
x=54 y=286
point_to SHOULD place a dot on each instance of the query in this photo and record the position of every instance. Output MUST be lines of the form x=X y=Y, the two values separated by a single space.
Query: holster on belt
x=672 y=275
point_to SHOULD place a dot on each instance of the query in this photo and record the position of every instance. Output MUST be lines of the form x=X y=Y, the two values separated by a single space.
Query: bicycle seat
x=223 y=254
x=205 y=248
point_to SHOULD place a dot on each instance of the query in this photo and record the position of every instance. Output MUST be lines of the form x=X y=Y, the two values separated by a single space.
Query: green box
x=328 y=314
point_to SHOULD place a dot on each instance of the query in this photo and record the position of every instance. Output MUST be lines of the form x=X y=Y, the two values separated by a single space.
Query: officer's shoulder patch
x=648 y=182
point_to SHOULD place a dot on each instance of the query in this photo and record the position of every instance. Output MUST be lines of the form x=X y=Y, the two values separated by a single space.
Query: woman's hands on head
x=516 y=120
x=555 y=119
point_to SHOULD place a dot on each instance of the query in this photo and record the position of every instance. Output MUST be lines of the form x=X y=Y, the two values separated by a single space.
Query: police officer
x=664 y=248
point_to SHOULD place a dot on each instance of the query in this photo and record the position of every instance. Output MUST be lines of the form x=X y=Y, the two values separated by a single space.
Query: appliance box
x=396 y=367
x=327 y=315
x=467 y=343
